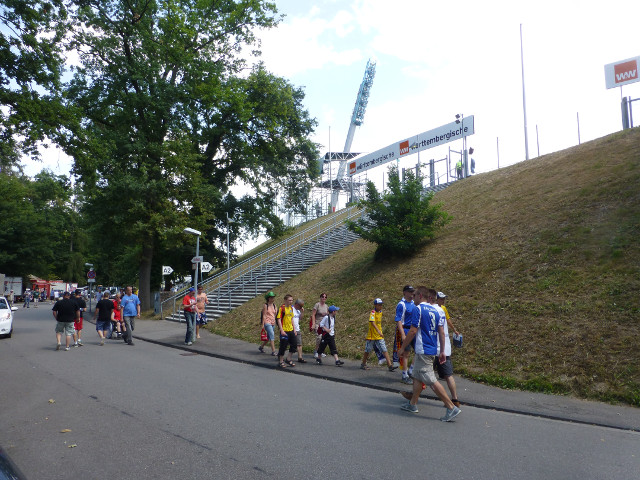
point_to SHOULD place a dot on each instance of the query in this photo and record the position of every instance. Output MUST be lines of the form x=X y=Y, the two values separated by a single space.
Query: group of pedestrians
x=117 y=314
x=422 y=324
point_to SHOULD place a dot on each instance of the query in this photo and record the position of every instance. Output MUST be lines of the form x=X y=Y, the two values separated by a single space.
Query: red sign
x=404 y=147
x=626 y=71
x=91 y=274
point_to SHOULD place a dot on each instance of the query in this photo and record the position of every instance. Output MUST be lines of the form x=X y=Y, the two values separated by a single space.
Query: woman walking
x=268 y=317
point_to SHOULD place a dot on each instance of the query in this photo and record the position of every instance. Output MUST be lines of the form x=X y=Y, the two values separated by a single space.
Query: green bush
x=400 y=219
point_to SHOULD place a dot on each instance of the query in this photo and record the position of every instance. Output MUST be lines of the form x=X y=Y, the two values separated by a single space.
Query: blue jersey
x=426 y=320
x=129 y=304
x=403 y=312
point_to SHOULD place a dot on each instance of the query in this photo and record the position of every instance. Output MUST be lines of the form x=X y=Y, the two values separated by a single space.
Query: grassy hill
x=542 y=267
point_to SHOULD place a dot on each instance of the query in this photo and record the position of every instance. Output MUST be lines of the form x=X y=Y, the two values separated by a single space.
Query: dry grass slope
x=542 y=266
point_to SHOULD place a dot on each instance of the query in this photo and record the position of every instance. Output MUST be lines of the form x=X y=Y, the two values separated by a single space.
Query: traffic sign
x=91 y=274
x=197 y=259
x=91 y=280
x=206 y=267
x=167 y=270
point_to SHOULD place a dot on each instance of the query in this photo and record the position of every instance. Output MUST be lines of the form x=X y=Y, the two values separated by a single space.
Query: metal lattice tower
x=357 y=117
x=361 y=103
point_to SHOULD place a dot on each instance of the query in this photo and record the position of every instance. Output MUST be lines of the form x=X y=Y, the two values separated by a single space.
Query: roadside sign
x=91 y=274
x=91 y=280
x=622 y=72
x=197 y=259
x=206 y=267
x=167 y=270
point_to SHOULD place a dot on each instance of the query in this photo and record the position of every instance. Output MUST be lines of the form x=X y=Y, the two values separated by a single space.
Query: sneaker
x=315 y=354
x=406 y=379
x=407 y=407
x=102 y=342
x=79 y=343
x=130 y=343
x=190 y=343
x=339 y=363
x=451 y=414
x=318 y=361
x=324 y=355
x=392 y=368
x=75 y=345
x=273 y=354
x=66 y=349
x=363 y=367
x=261 y=348
x=382 y=361
x=58 y=347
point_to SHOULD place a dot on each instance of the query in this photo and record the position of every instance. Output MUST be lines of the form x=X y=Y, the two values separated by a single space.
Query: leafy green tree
x=175 y=132
x=31 y=63
x=39 y=232
x=401 y=219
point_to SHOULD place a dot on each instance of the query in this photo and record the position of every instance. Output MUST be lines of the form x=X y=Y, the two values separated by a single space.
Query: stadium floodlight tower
x=357 y=117
x=361 y=103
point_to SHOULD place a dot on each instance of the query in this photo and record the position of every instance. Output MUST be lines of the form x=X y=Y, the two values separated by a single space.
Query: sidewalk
x=171 y=334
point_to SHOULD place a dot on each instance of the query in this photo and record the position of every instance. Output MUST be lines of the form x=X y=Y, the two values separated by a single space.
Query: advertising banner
x=622 y=72
x=433 y=138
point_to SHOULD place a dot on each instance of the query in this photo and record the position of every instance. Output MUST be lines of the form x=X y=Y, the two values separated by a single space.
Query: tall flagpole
x=524 y=103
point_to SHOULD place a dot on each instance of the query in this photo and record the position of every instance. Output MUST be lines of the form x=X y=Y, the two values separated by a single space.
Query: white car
x=6 y=318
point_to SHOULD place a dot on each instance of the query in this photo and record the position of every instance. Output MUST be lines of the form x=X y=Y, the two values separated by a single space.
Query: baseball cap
x=378 y=301
x=78 y=292
x=333 y=308
x=192 y=289
x=408 y=287
x=269 y=294
x=440 y=295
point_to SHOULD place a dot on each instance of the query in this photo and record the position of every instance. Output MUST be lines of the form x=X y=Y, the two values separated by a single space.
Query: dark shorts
x=444 y=369
x=103 y=326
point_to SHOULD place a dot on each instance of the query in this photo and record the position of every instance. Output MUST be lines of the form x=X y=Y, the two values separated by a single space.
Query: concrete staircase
x=225 y=296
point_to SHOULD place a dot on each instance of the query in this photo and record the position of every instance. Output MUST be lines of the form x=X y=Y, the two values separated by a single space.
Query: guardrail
x=258 y=263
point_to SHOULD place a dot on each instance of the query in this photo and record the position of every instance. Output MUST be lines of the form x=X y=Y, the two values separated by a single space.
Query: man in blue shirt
x=403 y=324
x=427 y=325
x=130 y=308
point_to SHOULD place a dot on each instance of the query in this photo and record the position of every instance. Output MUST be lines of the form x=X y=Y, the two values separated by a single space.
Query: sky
x=439 y=59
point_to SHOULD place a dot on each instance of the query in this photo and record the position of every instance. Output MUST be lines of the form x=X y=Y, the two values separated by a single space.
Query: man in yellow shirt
x=375 y=337
x=284 y=318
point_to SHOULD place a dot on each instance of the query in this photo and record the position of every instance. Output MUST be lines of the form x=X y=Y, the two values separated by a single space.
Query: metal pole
x=578 y=119
x=524 y=103
x=228 y=272
x=330 y=172
x=537 y=140
x=498 y=149
x=195 y=277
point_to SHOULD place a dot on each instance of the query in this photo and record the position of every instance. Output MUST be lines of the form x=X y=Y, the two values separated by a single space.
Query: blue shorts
x=103 y=326
x=378 y=343
x=269 y=329
x=201 y=318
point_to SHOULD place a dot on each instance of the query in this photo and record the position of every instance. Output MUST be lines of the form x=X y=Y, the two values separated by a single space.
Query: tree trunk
x=144 y=276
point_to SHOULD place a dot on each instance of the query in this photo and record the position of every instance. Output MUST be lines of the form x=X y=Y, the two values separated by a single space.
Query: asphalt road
x=147 y=411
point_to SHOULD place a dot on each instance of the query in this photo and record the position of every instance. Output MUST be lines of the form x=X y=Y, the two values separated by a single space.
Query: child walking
x=374 y=336
x=328 y=325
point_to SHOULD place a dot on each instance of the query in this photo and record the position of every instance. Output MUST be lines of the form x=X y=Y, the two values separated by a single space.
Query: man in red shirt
x=189 y=308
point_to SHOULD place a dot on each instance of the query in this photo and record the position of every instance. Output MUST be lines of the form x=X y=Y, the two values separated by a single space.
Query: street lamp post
x=228 y=264
x=197 y=233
